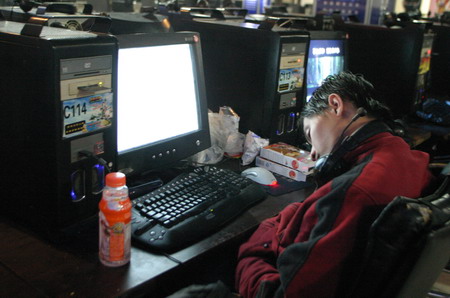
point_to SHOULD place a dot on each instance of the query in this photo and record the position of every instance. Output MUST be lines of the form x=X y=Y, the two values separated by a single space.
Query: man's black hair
x=352 y=88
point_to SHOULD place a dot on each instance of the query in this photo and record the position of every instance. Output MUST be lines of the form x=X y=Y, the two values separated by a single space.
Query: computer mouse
x=260 y=175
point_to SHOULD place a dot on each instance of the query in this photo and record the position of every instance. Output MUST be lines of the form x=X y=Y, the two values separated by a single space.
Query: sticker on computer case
x=87 y=114
x=290 y=79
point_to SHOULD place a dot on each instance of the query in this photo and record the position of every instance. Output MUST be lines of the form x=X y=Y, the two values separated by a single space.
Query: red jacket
x=308 y=249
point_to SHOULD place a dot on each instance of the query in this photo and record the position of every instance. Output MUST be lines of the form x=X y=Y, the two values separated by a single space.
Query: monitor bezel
x=167 y=153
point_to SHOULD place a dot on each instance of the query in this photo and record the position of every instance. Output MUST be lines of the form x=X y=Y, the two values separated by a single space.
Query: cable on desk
x=172 y=258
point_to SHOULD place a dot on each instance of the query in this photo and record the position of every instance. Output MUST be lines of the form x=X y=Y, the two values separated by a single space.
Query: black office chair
x=409 y=245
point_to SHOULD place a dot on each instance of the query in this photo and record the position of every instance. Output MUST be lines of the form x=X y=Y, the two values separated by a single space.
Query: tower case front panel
x=57 y=116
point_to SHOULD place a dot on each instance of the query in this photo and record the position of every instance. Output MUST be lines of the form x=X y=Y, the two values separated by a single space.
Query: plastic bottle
x=115 y=222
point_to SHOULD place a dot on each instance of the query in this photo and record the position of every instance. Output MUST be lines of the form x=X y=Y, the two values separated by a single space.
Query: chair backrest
x=409 y=245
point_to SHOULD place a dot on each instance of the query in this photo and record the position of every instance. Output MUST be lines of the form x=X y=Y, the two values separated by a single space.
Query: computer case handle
x=34 y=26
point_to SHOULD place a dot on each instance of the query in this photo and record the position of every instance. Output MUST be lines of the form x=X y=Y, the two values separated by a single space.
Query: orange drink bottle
x=115 y=222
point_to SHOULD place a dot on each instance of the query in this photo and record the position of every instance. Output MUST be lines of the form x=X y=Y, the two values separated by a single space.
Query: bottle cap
x=115 y=179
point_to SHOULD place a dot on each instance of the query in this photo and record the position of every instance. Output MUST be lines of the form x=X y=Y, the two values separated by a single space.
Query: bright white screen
x=156 y=95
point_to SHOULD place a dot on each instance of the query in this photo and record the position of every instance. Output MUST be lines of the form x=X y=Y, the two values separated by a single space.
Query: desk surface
x=31 y=266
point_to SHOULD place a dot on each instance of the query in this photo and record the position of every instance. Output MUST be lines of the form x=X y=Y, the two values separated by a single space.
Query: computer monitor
x=327 y=52
x=440 y=61
x=161 y=103
x=423 y=76
x=389 y=58
x=130 y=23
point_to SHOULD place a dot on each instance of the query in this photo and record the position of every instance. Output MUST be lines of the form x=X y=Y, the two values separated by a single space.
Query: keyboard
x=436 y=111
x=190 y=207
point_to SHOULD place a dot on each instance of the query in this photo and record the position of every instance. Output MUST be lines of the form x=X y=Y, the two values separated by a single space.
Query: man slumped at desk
x=311 y=248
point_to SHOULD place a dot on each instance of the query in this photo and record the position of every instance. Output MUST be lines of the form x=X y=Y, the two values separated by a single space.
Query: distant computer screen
x=390 y=59
x=326 y=57
x=440 y=61
x=161 y=109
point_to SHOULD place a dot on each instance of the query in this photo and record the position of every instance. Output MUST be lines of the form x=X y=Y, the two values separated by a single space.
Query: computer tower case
x=59 y=19
x=257 y=70
x=57 y=116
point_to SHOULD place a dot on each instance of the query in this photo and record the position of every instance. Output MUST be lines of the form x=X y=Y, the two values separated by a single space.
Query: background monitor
x=161 y=102
x=440 y=62
x=327 y=52
x=129 y=23
x=389 y=59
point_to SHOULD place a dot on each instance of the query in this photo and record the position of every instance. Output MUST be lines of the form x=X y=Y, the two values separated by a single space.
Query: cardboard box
x=289 y=156
x=280 y=169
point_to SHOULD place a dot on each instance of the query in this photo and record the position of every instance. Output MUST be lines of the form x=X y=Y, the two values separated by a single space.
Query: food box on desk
x=280 y=169
x=289 y=156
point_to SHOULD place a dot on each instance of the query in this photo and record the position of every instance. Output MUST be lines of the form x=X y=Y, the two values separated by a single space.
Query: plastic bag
x=225 y=137
x=233 y=140
x=252 y=146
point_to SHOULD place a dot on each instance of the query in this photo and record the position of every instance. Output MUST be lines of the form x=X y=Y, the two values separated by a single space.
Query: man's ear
x=336 y=103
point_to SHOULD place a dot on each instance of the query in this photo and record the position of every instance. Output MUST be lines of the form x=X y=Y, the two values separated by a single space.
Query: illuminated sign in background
x=255 y=6
x=357 y=8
